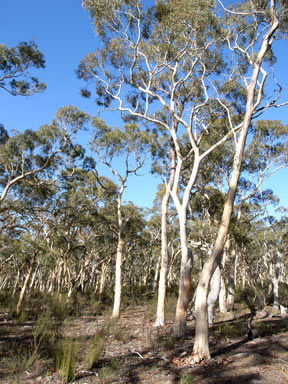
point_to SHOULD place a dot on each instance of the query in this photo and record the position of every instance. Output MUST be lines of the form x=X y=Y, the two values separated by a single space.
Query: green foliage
x=65 y=360
x=15 y=64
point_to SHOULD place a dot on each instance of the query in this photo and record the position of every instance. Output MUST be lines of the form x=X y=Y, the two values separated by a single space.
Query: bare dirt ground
x=135 y=352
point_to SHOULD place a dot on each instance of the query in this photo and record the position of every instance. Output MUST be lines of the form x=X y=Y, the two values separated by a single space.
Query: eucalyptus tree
x=157 y=65
x=111 y=144
x=29 y=166
x=25 y=156
x=16 y=64
x=265 y=155
x=75 y=231
x=160 y=312
x=274 y=241
x=251 y=28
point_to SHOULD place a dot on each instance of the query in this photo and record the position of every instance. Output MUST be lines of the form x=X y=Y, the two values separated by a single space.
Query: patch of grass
x=283 y=368
x=264 y=329
x=65 y=360
x=116 y=331
x=95 y=350
x=151 y=308
x=165 y=339
x=109 y=370
x=170 y=306
x=230 y=331
x=187 y=379
x=13 y=365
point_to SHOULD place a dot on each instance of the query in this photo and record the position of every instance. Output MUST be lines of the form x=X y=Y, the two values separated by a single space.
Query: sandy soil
x=135 y=352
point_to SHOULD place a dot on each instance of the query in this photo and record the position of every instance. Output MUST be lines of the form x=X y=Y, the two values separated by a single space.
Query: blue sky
x=65 y=34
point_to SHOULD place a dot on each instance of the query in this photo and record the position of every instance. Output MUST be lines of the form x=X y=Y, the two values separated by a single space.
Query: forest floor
x=133 y=351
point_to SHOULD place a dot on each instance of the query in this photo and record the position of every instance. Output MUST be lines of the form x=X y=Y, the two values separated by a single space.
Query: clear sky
x=64 y=33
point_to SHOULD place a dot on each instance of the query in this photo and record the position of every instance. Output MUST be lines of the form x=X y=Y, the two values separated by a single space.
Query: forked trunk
x=201 y=345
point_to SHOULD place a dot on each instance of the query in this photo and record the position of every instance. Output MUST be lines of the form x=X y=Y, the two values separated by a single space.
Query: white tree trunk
x=179 y=327
x=118 y=279
x=201 y=345
x=231 y=281
x=213 y=294
x=217 y=286
x=23 y=290
x=157 y=272
x=16 y=283
x=119 y=253
x=160 y=314
x=277 y=268
x=222 y=296
x=102 y=278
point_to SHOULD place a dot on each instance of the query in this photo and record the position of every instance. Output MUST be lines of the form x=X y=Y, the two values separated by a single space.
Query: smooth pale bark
x=201 y=345
x=231 y=280
x=217 y=287
x=118 y=279
x=3 y=283
x=179 y=327
x=160 y=314
x=23 y=290
x=222 y=295
x=119 y=253
x=184 y=292
x=33 y=278
x=277 y=268
x=213 y=294
x=157 y=273
x=102 y=278
x=16 y=283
